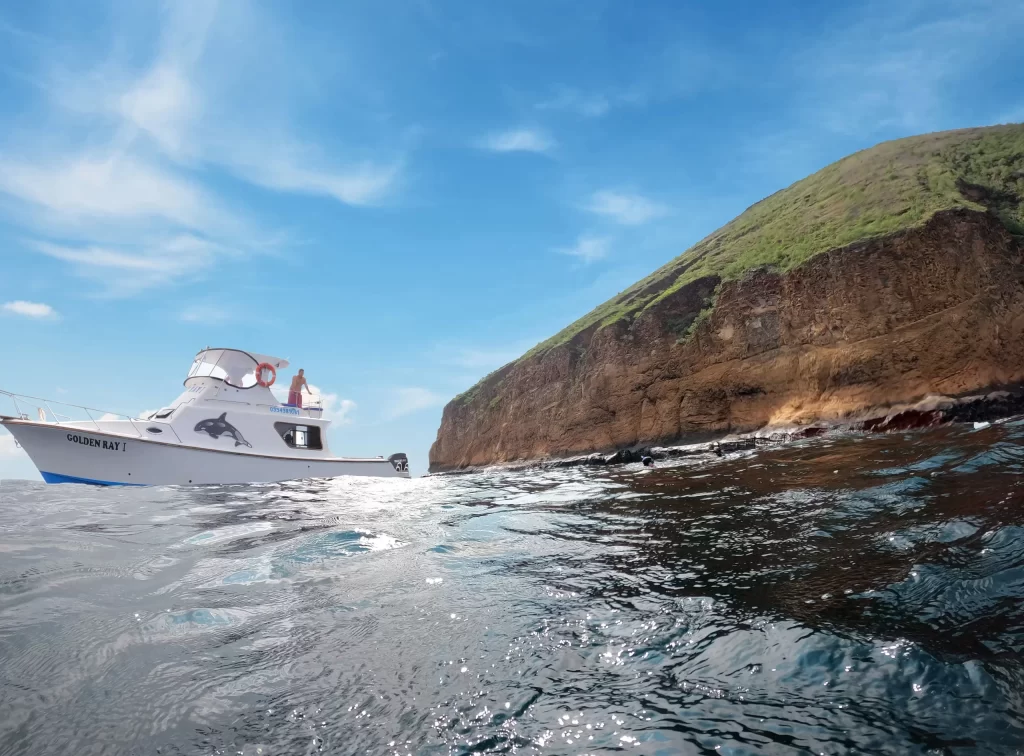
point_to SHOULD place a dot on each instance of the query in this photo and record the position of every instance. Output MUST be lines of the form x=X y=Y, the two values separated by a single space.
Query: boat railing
x=312 y=404
x=42 y=409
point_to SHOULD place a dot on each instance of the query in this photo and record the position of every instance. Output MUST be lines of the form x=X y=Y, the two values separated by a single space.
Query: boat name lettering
x=98 y=443
x=285 y=410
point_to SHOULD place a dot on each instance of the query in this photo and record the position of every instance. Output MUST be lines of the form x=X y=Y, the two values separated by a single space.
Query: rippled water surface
x=843 y=595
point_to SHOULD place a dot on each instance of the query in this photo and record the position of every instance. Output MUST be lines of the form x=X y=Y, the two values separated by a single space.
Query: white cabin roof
x=215 y=354
x=235 y=367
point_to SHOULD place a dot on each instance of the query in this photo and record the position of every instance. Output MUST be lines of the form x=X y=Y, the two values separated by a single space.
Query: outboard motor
x=400 y=462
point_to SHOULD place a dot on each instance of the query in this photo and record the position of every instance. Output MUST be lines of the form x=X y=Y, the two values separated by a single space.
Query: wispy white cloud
x=177 y=102
x=412 y=399
x=37 y=310
x=364 y=184
x=9 y=447
x=892 y=65
x=105 y=187
x=883 y=70
x=588 y=248
x=130 y=224
x=336 y=409
x=517 y=140
x=163 y=104
x=462 y=365
x=178 y=255
x=146 y=264
x=626 y=208
x=17 y=32
x=143 y=150
x=580 y=103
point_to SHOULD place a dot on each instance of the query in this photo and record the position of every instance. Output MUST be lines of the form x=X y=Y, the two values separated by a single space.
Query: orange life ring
x=259 y=374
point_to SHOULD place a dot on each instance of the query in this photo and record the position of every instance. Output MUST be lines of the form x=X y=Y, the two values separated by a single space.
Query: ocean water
x=857 y=594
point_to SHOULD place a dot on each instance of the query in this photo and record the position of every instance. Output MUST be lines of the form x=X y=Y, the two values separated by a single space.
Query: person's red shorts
x=295 y=398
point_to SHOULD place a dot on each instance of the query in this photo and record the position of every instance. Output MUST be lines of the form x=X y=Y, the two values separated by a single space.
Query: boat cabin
x=241 y=386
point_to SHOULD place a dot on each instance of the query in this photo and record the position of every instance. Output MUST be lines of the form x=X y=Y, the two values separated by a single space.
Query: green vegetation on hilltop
x=890 y=187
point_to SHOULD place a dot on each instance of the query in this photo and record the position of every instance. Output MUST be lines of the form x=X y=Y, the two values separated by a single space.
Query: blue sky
x=402 y=196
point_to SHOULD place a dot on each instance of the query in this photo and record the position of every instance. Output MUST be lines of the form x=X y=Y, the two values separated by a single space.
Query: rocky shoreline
x=930 y=412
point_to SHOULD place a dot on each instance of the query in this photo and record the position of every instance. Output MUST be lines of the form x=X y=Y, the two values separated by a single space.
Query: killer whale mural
x=216 y=427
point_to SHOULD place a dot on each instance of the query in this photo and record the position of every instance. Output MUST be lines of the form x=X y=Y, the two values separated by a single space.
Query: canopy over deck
x=233 y=366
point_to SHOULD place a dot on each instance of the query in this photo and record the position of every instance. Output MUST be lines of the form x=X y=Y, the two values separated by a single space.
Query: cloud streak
x=626 y=208
x=574 y=101
x=894 y=66
x=136 y=187
x=9 y=447
x=73 y=188
x=178 y=103
x=588 y=249
x=517 y=140
x=336 y=409
x=35 y=310
x=128 y=271
x=367 y=184
x=164 y=105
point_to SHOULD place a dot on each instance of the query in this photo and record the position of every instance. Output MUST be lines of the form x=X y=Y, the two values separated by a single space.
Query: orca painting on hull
x=219 y=426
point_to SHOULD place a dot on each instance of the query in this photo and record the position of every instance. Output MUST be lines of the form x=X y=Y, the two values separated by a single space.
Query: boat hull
x=66 y=454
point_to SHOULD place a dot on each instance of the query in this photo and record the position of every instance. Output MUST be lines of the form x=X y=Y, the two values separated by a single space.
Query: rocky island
x=890 y=277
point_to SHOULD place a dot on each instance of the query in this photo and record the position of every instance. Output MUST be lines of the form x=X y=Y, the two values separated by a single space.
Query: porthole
x=154 y=430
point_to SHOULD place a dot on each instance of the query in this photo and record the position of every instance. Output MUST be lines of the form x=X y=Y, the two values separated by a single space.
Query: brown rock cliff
x=937 y=309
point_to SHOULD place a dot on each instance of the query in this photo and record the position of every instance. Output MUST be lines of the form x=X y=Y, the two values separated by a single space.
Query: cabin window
x=300 y=436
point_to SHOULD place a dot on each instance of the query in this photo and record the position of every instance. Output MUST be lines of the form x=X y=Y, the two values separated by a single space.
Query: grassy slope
x=890 y=187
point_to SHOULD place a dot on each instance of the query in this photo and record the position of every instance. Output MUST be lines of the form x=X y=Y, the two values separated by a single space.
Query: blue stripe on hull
x=50 y=477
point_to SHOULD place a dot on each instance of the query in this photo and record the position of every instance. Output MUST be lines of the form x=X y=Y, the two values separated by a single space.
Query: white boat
x=228 y=426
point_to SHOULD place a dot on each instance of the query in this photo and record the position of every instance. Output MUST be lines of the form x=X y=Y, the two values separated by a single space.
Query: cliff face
x=934 y=309
x=887 y=276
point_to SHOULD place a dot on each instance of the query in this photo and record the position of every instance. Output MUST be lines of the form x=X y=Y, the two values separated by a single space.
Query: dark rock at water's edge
x=928 y=413
x=942 y=410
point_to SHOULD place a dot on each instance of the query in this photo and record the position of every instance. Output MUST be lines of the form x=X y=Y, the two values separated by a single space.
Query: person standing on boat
x=295 y=390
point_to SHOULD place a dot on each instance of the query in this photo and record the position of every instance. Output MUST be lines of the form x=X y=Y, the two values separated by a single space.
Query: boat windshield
x=233 y=367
